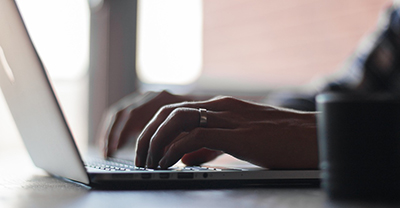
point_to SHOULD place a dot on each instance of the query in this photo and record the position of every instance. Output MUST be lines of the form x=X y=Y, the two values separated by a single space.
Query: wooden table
x=23 y=185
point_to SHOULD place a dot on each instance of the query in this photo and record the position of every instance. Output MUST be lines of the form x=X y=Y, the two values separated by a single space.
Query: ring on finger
x=203 y=117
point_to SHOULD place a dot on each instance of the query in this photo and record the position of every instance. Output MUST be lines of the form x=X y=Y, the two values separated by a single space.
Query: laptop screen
x=32 y=102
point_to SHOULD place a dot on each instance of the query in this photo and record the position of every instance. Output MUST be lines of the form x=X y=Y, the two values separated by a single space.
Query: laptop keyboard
x=114 y=164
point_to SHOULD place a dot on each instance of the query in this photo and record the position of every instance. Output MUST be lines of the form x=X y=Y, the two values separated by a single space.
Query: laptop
x=49 y=141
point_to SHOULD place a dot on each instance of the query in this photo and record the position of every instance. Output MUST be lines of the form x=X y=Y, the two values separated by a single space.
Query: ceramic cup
x=359 y=145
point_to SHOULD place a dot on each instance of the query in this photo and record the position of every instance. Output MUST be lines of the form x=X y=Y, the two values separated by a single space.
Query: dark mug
x=359 y=145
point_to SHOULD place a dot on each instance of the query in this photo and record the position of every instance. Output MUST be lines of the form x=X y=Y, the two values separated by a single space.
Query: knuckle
x=131 y=112
x=174 y=148
x=164 y=93
x=233 y=103
x=119 y=113
x=115 y=107
x=165 y=110
x=179 y=113
x=124 y=111
x=178 y=117
x=197 y=133
x=227 y=99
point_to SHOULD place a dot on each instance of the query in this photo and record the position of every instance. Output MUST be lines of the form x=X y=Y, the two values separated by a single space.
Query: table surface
x=23 y=185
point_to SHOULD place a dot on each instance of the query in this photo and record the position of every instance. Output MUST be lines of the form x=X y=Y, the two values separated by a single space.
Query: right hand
x=128 y=117
x=264 y=135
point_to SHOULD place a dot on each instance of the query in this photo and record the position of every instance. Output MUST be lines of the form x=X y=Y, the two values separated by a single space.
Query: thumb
x=200 y=156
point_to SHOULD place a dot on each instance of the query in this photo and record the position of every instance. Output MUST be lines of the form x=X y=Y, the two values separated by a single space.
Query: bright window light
x=60 y=32
x=169 y=41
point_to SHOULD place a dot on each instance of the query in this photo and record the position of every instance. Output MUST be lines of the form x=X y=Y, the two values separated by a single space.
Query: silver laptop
x=48 y=139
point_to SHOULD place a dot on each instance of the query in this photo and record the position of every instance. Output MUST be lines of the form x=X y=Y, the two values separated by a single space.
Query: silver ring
x=203 y=117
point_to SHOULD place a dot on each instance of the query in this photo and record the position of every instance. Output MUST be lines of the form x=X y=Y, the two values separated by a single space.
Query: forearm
x=296 y=144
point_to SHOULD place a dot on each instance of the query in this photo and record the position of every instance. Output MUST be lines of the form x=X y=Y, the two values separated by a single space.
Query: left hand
x=263 y=135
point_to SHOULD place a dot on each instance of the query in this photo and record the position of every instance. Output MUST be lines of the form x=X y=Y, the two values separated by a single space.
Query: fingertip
x=108 y=153
x=163 y=163
x=111 y=149
x=199 y=157
x=105 y=154
x=192 y=161
x=149 y=161
x=103 y=150
x=138 y=162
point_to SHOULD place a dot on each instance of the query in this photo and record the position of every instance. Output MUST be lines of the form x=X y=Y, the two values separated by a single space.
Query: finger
x=102 y=137
x=142 y=145
x=200 y=156
x=122 y=125
x=138 y=117
x=107 y=128
x=143 y=142
x=135 y=98
x=180 y=120
x=127 y=131
x=145 y=136
x=111 y=116
x=132 y=117
x=114 y=133
x=132 y=105
x=197 y=139
x=129 y=125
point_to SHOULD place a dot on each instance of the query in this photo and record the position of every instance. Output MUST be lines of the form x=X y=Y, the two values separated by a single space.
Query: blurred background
x=237 y=47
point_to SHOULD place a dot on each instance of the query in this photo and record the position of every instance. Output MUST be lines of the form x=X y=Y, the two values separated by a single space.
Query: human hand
x=263 y=135
x=128 y=117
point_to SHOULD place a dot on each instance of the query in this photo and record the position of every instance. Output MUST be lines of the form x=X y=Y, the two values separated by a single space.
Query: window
x=169 y=41
x=60 y=32
x=253 y=44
